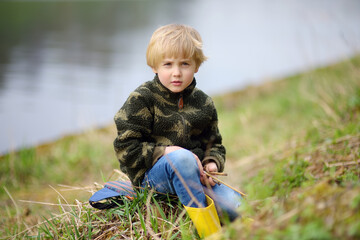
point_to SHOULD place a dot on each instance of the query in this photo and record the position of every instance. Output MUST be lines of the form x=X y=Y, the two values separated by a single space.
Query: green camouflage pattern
x=151 y=119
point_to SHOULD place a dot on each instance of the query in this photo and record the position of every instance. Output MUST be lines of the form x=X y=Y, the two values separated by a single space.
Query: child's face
x=176 y=73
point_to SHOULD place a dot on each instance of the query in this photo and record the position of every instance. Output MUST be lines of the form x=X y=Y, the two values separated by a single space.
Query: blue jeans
x=178 y=173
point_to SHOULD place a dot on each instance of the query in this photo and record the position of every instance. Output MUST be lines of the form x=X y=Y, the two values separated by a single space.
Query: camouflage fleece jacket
x=153 y=117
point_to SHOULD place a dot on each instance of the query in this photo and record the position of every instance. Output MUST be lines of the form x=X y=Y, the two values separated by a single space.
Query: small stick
x=218 y=173
x=208 y=174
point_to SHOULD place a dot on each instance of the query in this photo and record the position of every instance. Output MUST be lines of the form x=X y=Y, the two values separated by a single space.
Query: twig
x=218 y=173
x=217 y=179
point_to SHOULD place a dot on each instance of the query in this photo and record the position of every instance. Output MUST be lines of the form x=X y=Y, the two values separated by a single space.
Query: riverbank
x=292 y=146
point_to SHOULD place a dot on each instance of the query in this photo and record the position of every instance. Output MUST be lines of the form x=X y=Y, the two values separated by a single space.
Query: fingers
x=211 y=167
x=207 y=180
x=211 y=181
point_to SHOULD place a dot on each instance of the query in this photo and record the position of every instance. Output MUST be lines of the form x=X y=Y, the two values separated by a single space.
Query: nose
x=177 y=71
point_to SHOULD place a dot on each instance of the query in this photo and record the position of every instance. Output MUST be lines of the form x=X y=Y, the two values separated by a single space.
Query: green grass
x=299 y=141
x=58 y=162
x=292 y=147
x=147 y=215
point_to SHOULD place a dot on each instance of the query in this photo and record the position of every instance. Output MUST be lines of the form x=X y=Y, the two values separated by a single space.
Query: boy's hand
x=209 y=167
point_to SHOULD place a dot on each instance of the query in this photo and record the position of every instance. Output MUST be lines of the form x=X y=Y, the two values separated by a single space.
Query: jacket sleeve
x=133 y=146
x=212 y=143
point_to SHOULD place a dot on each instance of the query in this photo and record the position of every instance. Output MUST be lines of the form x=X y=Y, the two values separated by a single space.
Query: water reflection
x=67 y=66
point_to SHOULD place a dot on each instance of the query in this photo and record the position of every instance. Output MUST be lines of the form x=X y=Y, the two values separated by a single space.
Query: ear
x=196 y=70
x=154 y=70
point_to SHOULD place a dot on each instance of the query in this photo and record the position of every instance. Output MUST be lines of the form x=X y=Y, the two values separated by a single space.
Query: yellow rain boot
x=206 y=220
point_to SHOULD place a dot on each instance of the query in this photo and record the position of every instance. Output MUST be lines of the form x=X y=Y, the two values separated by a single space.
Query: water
x=68 y=66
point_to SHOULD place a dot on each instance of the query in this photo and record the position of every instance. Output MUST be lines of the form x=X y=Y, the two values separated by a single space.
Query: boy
x=168 y=133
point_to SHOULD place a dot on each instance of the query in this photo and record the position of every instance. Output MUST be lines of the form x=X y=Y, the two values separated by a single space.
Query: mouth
x=176 y=83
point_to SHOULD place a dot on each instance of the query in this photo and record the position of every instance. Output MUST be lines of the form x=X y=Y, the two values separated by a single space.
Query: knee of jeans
x=184 y=162
x=225 y=196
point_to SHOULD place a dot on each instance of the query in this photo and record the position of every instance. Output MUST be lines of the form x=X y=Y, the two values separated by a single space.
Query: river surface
x=68 y=66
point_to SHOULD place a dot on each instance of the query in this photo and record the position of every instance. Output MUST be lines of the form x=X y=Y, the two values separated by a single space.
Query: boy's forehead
x=177 y=55
x=177 y=58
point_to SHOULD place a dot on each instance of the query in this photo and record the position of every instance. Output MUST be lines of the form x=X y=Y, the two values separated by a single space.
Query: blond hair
x=175 y=40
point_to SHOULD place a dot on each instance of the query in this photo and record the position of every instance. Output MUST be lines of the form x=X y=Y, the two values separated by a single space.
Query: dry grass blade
x=74 y=188
x=59 y=194
x=16 y=206
x=338 y=164
x=49 y=204
x=131 y=227
x=287 y=215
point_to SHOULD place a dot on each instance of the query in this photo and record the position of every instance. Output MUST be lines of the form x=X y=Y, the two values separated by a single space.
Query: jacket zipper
x=181 y=102
x=181 y=106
